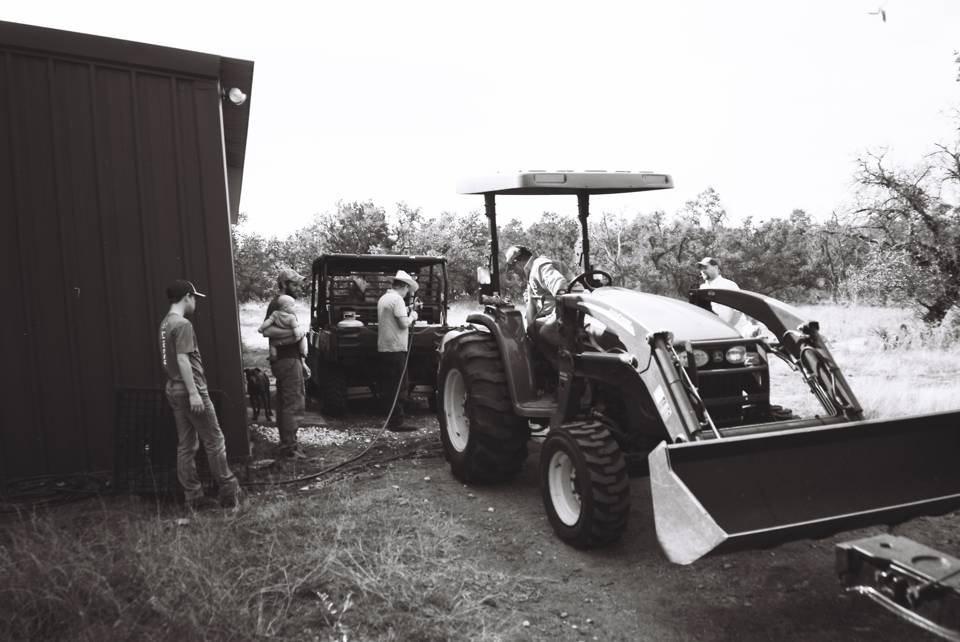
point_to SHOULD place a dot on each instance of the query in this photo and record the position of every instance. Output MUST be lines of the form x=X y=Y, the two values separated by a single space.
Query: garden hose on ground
x=28 y=493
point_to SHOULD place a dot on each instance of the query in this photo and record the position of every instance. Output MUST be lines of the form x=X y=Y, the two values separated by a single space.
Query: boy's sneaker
x=234 y=500
x=201 y=503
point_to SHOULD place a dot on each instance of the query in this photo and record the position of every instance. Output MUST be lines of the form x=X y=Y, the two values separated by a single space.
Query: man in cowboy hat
x=287 y=367
x=544 y=281
x=394 y=318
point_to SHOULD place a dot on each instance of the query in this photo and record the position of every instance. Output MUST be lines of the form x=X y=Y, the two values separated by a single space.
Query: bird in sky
x=879 y=12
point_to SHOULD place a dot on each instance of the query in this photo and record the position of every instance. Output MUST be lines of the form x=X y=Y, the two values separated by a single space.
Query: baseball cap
x=287 y=274
x=514 y=252
x=708 y=260
x=180 y=288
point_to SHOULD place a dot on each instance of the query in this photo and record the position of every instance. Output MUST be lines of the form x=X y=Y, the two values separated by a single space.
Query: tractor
x=343 y=323
x=642 y=384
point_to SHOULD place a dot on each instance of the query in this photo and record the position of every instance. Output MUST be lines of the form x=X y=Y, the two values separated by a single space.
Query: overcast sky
x=769 y=103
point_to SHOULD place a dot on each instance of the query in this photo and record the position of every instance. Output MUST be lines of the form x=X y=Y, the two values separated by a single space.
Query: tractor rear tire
x=482 y=439
x=332 y=383
x=584 y=482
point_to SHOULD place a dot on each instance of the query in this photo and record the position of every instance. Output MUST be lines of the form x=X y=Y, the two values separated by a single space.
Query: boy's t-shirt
x=177 y=337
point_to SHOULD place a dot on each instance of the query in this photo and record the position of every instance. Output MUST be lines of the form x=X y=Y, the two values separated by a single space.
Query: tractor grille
x=732 y=392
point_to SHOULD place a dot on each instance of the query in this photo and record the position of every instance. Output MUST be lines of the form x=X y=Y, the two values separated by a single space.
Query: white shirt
x=393 y=321
x=542 y=286
x=728 y=314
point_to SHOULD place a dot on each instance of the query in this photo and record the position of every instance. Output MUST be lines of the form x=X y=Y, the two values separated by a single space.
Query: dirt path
x=628 y=591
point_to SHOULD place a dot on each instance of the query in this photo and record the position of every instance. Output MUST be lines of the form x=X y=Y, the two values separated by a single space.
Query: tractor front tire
x=482 y=439
x=584 y=482
x=331 y=381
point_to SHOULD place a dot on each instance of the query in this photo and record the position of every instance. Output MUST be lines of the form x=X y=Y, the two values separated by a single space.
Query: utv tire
x=331 y=380
x=584 y=482
x=482 y=439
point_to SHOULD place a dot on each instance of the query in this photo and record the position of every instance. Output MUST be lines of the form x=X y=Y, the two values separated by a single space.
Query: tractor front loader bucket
x=762 y=490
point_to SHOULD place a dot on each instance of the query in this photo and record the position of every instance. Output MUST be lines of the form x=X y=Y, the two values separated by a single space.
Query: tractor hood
x=639 y=314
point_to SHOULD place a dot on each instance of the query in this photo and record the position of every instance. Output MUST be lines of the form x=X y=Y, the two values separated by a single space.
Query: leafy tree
x=254 y=267
x=405 y=227
x=556 y=236
x=355 y=228
x=774 y=258
x=908 y=213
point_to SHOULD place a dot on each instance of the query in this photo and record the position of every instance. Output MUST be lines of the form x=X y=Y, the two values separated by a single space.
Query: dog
x=258 y=389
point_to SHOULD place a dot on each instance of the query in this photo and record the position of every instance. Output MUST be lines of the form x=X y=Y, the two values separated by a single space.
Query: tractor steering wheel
x=586 y=279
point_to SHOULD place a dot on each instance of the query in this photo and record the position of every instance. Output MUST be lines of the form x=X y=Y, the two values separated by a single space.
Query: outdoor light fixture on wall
x=234 y=95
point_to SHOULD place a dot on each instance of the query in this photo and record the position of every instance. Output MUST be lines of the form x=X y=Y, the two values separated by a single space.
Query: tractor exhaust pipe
x=763 y=490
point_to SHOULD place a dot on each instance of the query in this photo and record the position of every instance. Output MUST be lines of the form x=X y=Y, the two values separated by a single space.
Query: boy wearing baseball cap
x=186 y=391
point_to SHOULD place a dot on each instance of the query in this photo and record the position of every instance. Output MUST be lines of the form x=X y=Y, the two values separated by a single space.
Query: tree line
x=899 y=245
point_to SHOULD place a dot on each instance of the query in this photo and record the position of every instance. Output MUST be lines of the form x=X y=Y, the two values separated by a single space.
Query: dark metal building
x=120 y=170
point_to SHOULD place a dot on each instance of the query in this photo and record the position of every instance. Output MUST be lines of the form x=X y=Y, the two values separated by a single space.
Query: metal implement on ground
x=643 y=384
x=913 y=581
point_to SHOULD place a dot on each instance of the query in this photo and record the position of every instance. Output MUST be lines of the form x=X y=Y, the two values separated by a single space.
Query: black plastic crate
x=145 y=461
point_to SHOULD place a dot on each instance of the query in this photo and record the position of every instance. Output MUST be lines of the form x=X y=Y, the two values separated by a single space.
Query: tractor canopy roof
x=539 y=182
x=373 y=262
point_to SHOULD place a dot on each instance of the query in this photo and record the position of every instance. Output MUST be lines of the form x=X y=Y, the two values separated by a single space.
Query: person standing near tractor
x=544 y=281
x=193 y=411
x=287 y=367
x=710 y=272
x=394 y=319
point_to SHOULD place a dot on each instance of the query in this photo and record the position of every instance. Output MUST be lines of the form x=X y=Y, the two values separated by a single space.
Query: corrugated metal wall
x=112 y=183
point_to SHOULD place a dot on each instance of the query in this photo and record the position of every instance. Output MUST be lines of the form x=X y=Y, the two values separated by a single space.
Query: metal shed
x=120 y=170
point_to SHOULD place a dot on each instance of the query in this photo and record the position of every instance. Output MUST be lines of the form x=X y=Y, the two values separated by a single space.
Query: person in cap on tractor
x=287 y=367
x=544 y=281
x=710 y=272
x=193 y=411
x=394 y=319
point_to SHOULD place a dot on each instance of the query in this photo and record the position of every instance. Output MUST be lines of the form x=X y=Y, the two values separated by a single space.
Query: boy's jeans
x=204 y=426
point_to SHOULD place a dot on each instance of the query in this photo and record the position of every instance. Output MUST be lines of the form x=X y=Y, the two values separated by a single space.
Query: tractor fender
x=616 y=372
x=515 y=351
x=459 y=331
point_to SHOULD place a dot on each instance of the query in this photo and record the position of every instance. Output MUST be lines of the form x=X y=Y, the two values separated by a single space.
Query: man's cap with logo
x=409 y=280
x=287 y=274
x=708 y=260
x=514 y=252
x=180 y=288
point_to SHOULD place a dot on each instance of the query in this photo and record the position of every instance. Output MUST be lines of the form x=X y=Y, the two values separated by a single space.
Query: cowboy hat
x=409 y=280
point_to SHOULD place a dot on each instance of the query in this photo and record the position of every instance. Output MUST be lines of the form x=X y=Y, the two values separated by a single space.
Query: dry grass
x=888 y=382
x=346 y=565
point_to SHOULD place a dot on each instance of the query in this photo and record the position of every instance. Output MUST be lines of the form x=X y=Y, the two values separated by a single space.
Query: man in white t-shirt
x=710 y=271
x=394 y=319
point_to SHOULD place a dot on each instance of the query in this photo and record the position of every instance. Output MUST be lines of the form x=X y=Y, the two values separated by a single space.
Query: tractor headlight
x=736 y=355
x=699 y=357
